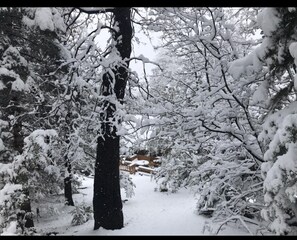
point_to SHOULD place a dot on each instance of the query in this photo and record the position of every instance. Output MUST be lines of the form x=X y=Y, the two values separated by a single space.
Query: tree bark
x=68 y=185
x=68 y=174
x=18 y=138
x=107 y=202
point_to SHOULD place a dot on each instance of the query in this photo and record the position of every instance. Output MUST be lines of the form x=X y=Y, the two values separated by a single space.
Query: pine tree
x=28 y=55
x=275 y=58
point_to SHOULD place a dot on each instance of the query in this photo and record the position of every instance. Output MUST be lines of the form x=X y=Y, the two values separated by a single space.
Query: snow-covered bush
x=174 y=173
x=275 y=57
x=37 y=174
x=10 y=202
x=127 y=184
x=279 y=170
x=38 y=167
x=81 y=214
x=12 y=218
x=228 y=185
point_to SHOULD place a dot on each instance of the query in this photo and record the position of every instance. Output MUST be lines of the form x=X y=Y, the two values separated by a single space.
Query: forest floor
x=148 y=212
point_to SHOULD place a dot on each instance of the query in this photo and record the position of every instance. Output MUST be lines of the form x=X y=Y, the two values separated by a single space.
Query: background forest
x=219 y=107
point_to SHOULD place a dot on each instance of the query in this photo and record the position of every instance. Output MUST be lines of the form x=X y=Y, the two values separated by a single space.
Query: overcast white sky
x=146 y=49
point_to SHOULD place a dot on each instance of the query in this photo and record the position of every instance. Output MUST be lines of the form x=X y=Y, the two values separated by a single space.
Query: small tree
x=29 y=51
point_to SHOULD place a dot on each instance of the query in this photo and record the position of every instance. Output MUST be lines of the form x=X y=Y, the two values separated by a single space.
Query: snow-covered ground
x=148 y=212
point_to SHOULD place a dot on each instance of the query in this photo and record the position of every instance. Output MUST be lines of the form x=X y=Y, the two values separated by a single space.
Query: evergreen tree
x=275 y=57
x=27 y=88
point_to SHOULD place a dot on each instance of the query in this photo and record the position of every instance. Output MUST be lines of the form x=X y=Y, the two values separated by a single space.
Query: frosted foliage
x=276 y=176
x=8 y=190
x=19 y=85
x=58 y=20
x=268 y=21
x=6 y=172
x=11 y=198
x=43 y=17
x=11 y=229
x=279 y=224
x=281 y=53
x=292 y=193
x=39 y=135
x=261 y=94
x=265 y=168
x=279 y=170
x=81 y=214
x=225 y=180
x=2 y=86
x=39 y=163
x=2 y=147
x=252 y=63
x=273 y=122
x=6 y=72
x=293 y=51
x=12 y=58
x=30 y=84
x=127 y=184
x=46 y=19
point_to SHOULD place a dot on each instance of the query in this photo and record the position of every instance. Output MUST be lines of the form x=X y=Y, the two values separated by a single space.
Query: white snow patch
x=2 y=86
x=11 y=229
x=291 y=9
x=58 y=21
x=8 y=189
x=28 y=22
x=295 y=82
x=19 y=85
x=293 y=52
x=44 y=19
x=2 y=147
x=250 y=63
x=149 y=212
x=268 y=20
x=261 y=94
x=4 y=71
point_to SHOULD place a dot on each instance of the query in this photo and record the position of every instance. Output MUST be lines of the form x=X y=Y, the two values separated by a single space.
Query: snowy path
x=149 y=212
x=153 y=212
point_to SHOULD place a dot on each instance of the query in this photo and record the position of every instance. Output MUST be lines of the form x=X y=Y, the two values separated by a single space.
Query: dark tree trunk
x=18 y=138
x=68 y=185
x=68 y=178
x=107 y=202
x=107 y=197
x=25 y=216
